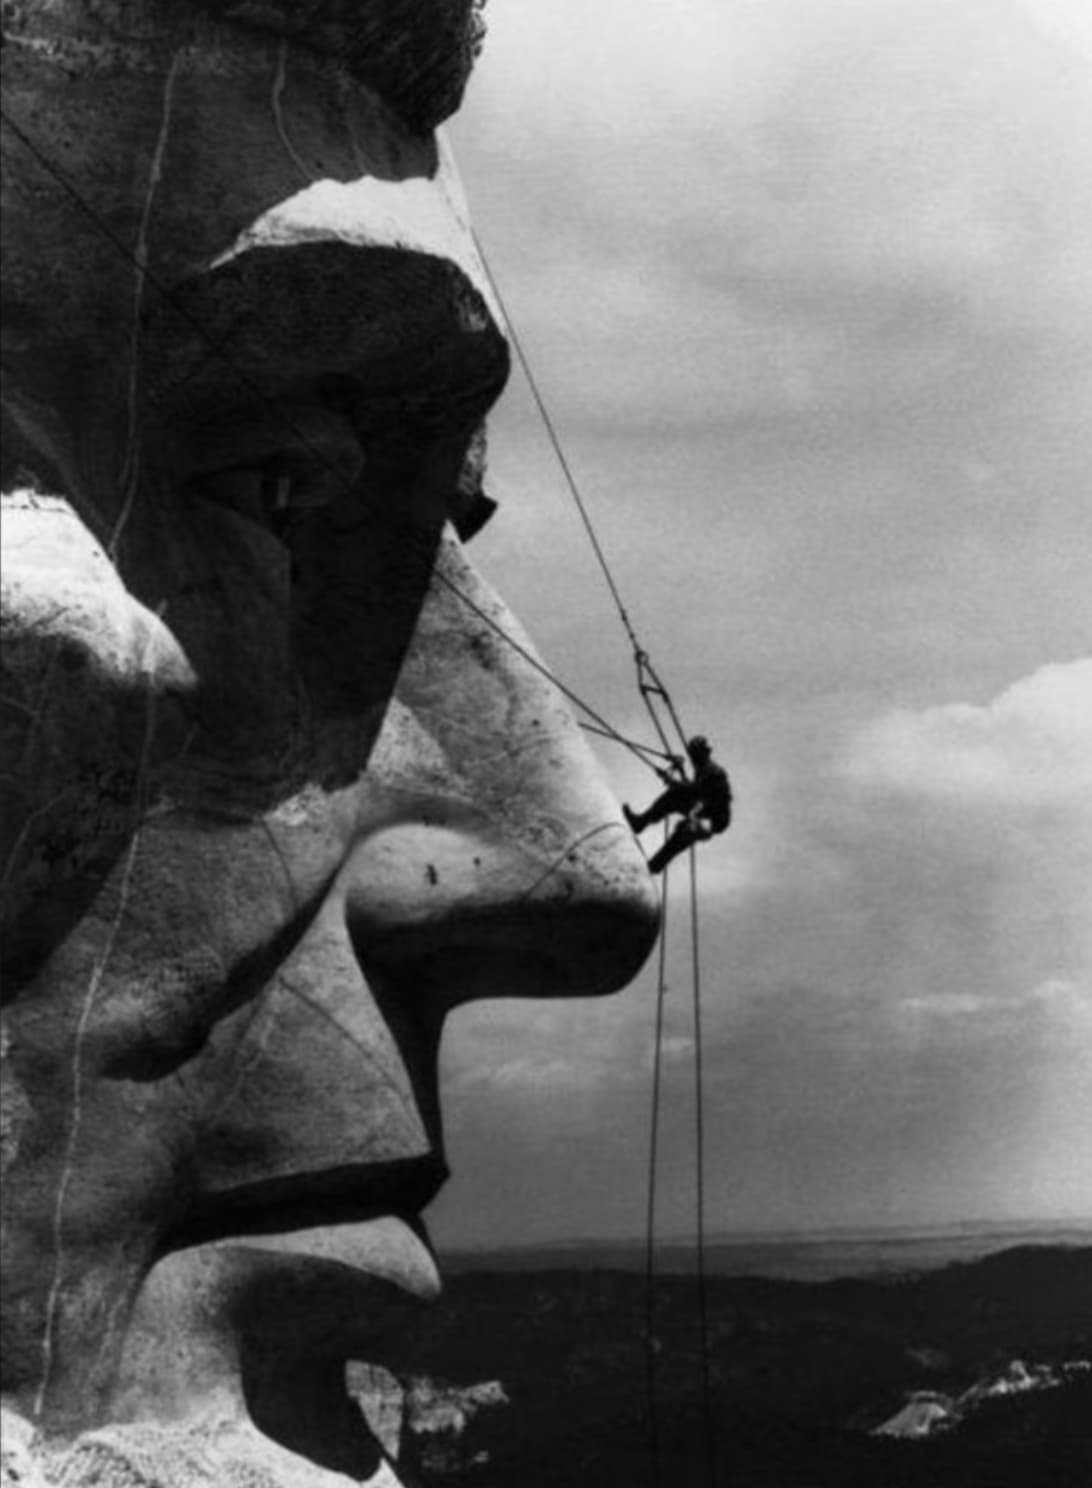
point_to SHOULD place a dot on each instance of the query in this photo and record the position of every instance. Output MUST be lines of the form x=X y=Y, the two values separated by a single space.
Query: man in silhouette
x=704 y=803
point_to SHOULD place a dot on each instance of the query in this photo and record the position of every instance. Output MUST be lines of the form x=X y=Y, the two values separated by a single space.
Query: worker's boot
x=636 y=820
x=681 y=838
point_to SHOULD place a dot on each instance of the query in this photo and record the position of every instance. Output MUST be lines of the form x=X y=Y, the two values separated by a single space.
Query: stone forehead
x=417 y=54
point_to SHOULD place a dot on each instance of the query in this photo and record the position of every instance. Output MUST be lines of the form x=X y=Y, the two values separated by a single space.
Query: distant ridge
x=816 y=1255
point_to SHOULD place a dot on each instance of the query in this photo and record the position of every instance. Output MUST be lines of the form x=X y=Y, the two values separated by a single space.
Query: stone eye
x=283 y=459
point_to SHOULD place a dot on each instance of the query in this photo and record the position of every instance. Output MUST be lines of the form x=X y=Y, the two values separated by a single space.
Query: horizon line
x=814 y=1233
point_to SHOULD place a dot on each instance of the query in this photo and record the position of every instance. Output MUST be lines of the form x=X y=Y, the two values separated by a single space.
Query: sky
x=807 y=288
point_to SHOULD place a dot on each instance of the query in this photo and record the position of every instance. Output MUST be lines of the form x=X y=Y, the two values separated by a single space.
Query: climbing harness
x=662 y=713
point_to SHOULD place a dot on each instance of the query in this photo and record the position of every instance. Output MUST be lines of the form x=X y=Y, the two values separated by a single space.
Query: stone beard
x=278 y=794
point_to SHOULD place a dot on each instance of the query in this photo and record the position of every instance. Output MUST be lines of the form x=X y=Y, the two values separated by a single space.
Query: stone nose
x=508 y=865
x=473 y=914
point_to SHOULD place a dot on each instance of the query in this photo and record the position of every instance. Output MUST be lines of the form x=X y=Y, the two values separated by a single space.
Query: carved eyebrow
x=233 y=334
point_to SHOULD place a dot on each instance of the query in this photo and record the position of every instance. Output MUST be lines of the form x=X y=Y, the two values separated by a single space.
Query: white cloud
x=637 y=63
x=802 y=282
x=526 y=1047
x=1055 y=1015
x=782 y=206
x=1067 y=1003
x=533 y=1073
x=952 y=1005
x=1068 y=22
x=1030 y=746
x=677 y=1046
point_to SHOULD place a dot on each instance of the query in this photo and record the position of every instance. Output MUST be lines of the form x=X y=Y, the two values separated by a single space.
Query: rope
x=603 y=727
x=650 y=686
x=607 y=730
x=650 y=1231
x=648 y=681
x=597 y=547
x=645 y=749
x=650 y=1243
x=699 y=1161
x=653 y=686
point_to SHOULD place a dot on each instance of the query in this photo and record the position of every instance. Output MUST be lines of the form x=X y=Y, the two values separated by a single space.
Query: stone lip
x=262 y=1326
x=344 y=1201
x=387 y=1247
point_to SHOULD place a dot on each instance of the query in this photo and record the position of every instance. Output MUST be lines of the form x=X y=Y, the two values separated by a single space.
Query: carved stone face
x=279 y=790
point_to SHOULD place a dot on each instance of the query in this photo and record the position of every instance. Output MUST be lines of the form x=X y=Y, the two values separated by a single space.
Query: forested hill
x=802 y=1377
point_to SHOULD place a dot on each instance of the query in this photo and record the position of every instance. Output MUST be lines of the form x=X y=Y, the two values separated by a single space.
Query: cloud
x=954 y=1005
x=574 y=1048
x=635 y=69
x=594 y=1072
x=1052 y=1022
x=1065 y=22
x=1067 y=1007
x=1030 y=746
x=804 y=284
x=537 y=1073
x=791 y=206
x=980 y=816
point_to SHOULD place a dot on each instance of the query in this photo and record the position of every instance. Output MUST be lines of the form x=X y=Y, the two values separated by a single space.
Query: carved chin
x=254 y=1335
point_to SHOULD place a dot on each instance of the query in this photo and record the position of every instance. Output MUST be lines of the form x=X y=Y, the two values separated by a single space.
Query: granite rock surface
x=283 y=781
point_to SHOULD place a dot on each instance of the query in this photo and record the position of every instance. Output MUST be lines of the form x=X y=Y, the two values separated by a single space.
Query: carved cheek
x=319 y=1085
x=485 y=857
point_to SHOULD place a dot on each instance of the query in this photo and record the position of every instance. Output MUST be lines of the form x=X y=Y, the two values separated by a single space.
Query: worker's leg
x=684 y=836
x=677 y=799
